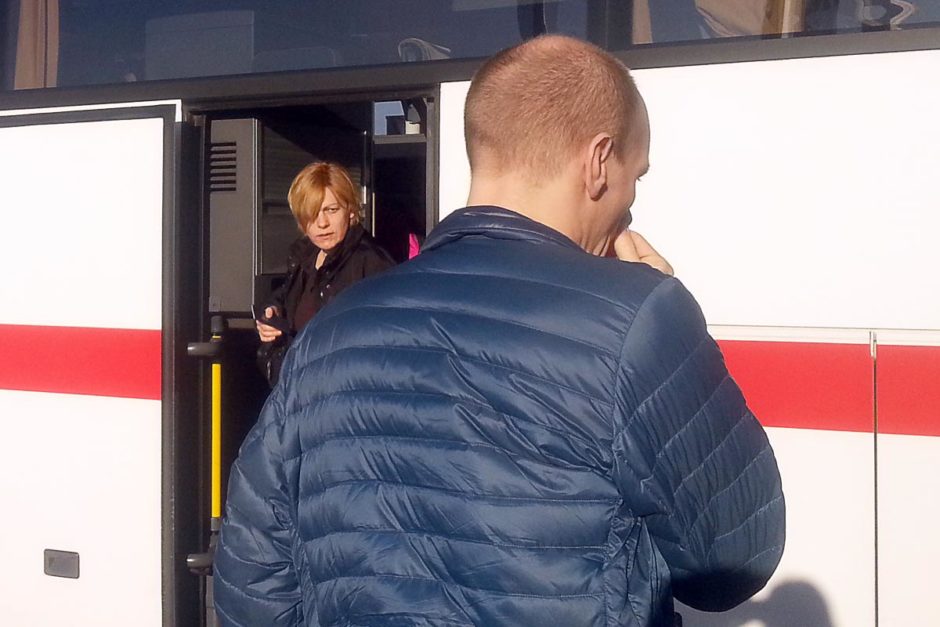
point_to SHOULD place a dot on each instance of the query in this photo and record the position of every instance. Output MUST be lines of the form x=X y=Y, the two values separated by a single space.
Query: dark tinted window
x=86 y=42
x=114 y=41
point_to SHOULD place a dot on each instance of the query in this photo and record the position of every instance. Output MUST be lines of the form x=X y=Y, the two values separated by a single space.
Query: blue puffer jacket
x=504 y=431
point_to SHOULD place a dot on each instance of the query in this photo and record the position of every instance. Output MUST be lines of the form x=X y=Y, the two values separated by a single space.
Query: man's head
x=557 y=108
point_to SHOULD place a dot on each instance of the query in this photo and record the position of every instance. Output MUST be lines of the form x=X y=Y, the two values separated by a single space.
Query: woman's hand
x=266 y=332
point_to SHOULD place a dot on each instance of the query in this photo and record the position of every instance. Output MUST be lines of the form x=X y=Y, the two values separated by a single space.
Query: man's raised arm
x=692 y=460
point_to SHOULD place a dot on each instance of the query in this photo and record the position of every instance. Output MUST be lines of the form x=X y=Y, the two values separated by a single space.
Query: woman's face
x=329 y=228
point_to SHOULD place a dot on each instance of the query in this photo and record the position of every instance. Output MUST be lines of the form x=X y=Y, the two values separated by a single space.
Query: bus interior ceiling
x=252 y=156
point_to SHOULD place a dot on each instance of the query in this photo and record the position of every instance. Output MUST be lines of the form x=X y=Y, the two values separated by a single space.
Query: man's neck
x=556 y=203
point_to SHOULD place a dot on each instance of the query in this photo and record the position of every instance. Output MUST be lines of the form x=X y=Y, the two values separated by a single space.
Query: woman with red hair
x=334 y=252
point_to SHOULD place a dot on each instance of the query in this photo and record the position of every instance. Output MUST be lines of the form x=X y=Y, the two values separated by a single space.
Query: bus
x=145 y=154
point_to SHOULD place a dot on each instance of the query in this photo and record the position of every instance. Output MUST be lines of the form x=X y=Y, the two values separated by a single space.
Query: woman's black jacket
x=356 y=257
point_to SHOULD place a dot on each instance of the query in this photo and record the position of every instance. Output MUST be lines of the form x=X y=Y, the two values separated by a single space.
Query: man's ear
x=596 y=155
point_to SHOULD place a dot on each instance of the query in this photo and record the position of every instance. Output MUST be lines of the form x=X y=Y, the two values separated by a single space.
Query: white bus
x=145 y=155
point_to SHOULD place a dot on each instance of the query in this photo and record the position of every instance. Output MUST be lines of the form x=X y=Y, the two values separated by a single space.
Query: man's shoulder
x=620 y=283
x=613 y=275
x=559 y=279
x=537 y=270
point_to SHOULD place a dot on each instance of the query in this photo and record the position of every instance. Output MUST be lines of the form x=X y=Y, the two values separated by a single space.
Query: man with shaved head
x=524 y=425
x=531 y=110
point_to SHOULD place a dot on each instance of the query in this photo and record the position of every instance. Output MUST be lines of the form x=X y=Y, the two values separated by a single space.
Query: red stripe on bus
x=909 y=390
x=122 y=363
x=805 y=385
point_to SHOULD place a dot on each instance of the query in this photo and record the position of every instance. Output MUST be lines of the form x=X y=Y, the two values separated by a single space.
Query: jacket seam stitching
x=441 y=582
x=698 y=413
x=615 y=405
x=465 y=314
x=295 y=597
x=617 y=372
x=461 y=399
x=493 y=275
x=704 y=461
x=228 y=617
x=457 y=493
x=530 y=235
x=702 y=342
x=731 y=484
x=759 y=511
x=444 y=351
x=758 y=556
x=344 y=621
x=500 y=545
x=613 y=453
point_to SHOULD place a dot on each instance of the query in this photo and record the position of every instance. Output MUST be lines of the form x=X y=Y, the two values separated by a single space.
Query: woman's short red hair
x=305 y=196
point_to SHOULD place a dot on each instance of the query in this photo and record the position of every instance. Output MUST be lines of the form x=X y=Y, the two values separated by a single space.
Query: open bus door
x=88 y=395
x=250 y=163
x=251 y=156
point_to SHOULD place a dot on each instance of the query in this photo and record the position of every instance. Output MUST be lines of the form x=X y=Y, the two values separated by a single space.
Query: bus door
x=251 y=158
x=85 y=330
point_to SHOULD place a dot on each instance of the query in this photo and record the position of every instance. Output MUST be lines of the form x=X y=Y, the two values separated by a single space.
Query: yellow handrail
x=216 y=436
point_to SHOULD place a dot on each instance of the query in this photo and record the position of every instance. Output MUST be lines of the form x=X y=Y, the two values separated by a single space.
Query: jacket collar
x=493 y=223
x=345 y=248
x=303 y=251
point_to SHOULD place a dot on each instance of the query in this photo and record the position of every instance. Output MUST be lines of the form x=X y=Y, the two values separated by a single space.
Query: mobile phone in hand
x=278 y=322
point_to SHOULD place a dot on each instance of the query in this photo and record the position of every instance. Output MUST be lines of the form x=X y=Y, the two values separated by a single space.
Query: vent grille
x=223 y=160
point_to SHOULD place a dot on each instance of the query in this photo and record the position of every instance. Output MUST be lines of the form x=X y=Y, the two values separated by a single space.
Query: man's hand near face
x=631 y=246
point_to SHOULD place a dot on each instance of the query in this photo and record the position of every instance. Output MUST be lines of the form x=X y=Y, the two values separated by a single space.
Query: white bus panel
x=82 y=224
x=799 y=193
x=908 y=477
x=87 y=480
x=80 y=372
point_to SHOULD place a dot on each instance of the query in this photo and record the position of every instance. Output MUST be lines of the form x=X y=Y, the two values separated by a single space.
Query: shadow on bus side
x=790 y=603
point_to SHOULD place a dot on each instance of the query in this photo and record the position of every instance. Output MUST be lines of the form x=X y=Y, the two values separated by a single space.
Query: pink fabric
x=413 y=247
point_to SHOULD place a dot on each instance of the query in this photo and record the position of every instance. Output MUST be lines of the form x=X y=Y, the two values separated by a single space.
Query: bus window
x=88 y=42
x=690 y=20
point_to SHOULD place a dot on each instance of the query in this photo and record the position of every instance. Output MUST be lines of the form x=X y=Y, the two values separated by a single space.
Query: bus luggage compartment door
x=81 y=379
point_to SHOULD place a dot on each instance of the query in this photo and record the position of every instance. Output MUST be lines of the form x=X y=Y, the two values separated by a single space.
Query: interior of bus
x=250 y=157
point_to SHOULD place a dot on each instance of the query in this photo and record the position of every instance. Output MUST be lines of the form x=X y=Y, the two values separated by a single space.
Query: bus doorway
x=250 y=158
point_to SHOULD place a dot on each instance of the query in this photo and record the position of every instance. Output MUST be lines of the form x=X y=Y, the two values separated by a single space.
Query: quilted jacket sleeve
x=691 y=459
x=255 y=578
